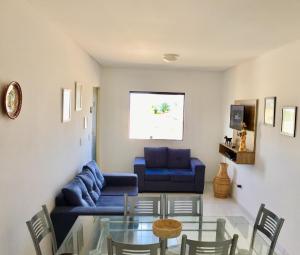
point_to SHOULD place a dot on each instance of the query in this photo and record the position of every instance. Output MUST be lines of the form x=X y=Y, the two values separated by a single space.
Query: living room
x=225 y=50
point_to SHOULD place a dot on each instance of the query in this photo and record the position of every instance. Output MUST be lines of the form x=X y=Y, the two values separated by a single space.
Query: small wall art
x=270 y=111
x=85 y=123
x=13 y=100
x=288 y=122
x=66 y=103
x=78 y=96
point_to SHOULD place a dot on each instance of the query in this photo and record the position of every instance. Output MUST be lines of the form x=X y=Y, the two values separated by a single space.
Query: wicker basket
x=167 y=228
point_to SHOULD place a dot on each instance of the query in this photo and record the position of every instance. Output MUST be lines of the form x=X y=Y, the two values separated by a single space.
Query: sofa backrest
x=96 y=171
x=156 y=157
x=76 y=194
x=90 y=183
x=179 y=158
x=84 y=189
x=164 y=157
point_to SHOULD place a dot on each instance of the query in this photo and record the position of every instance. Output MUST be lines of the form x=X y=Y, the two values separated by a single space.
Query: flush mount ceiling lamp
x=170 y=57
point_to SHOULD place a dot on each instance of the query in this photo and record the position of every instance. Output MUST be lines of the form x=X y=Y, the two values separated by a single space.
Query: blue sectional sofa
x=164 y=169
x=91 y=193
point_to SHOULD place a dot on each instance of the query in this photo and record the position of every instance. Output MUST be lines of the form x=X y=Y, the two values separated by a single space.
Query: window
x=156 y=115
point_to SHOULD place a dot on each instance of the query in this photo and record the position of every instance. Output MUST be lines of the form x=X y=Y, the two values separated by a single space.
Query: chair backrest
x=269 y=224
x=39 y=226
x=147 y=206
x=227 y=247
x=118 y=248
x=183 y=205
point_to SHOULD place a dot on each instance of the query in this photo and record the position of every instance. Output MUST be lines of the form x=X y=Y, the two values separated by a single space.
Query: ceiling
x=207 y=34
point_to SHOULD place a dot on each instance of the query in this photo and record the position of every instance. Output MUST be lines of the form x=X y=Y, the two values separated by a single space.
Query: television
x=237 y=115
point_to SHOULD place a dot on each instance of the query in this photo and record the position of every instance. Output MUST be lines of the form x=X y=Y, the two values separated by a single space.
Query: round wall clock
x=13 y=100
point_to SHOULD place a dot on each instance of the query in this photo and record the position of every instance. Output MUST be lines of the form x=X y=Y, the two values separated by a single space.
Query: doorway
x=94 y=122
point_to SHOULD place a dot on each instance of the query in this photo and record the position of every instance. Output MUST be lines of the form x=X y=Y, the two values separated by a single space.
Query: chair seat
x=157 y=175
x=176 y=175
x=182 y=176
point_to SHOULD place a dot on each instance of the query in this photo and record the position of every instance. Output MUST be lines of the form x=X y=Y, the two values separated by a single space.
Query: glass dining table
x=89 y=233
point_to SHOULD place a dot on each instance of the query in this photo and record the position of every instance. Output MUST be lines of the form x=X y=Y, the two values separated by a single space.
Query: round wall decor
x=13 y=100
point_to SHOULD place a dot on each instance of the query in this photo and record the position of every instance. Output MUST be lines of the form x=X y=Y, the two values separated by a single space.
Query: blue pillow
x=156 y=157
x=76 y=194
x=179 y=158
x=90 y=184
x=95 y=170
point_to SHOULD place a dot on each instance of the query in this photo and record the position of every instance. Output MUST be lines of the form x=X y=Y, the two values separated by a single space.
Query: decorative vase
x=222 y=183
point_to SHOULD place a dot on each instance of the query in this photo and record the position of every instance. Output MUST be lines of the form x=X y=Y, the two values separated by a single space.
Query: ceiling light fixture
x=170 y=57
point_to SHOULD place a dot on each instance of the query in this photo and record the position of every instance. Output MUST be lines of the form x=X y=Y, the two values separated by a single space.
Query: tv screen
x=237 y=113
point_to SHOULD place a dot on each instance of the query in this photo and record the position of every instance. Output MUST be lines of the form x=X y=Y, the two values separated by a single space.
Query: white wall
x=38 y=154
x=201 y=121
x=274 y=179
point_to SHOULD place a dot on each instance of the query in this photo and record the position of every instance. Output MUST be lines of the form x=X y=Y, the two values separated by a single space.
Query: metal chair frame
x=143 y=206
x=40 y=226
x=269 y=224
x=134 y=249
x=227 y=247
x=190 y=205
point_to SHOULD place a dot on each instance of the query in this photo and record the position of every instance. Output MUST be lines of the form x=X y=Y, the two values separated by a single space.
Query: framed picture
x=66 y=109
x=270 y=111
x=78 y=96
x=288 y=122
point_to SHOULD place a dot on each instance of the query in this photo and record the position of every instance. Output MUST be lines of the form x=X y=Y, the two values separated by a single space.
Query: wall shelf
x=238 y=157
x=232 y=153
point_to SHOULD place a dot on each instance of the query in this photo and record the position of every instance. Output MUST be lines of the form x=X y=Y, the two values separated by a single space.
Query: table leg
x=220 y=233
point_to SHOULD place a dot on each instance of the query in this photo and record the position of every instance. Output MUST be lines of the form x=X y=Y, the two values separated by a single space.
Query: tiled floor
x=217 y=207
x=221 y=207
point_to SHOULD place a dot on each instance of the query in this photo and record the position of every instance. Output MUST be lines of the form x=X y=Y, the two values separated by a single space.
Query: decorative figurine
x=227 y=140
x=243 y=134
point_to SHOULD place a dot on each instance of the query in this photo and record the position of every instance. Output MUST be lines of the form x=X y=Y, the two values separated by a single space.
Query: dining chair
x=143 y=206
x=40 y=226
x=227 y=247
x=269 y=224
x=118 y=248
x=183 y=205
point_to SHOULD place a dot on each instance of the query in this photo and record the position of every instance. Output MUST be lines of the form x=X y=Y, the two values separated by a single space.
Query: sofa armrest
x=139 y=166
x=198 y=169
x=121 y=179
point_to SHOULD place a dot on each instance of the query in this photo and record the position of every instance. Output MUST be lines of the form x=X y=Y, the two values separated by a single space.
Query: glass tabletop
x=88 y=234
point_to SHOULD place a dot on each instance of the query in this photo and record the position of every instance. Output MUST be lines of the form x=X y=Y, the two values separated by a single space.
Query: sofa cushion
x=119 y=190
x=94 y=168
x=156 y=157
x=90 y=183
x=157 y=175
x=76 y=194
x=104 y=201
x=179 y=158
x=182 y=175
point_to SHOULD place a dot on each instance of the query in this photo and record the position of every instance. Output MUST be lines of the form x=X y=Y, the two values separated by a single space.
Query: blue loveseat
x=164 y=169
x=91 y=193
